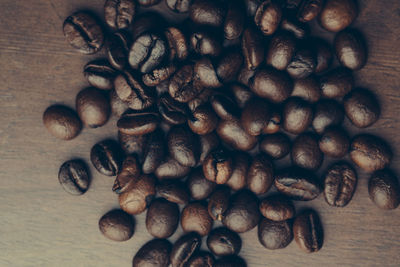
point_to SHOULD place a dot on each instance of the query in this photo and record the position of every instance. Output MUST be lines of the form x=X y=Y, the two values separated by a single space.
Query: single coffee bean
x=202 y=98
x=324 y=54
x=277 y=208
x=138 y=123
x=384 y=189
x=74 y=177
x=177 y=43
x=260 y=175
x=92 y=107
x=172 y=111
x=162 y=218
x=328 y=112
x=308 y=232
x=223 y=242
x=241 y=164
x=281 y=50
x=297 y=183
x=230 y=261
x=303 y=63
x=340 y=184
x=300 y=30
x=361 y=108
x=228 y=66
x=171 y=169
x=273 y=234
x=100 y=74
x=107 y=157
x=268 y=16
x=252 y=48
x=201 y=259
x=206 y=42
x=83 y=33
x=207 y=12
x=225 y=106
x=154 y=253
x=276 y=146
x=203 y=120
x=242 y=214
x=173 y=191
x=158 y=75
x=309 y=10
x=186 y=246
x=133 y=144
x=138 y=195
x=206 y=71
x=218 y=203
x=232 y=133
x=234 y=20
x=62 y=122
x=351 y=49
x=118 y=107
x=306 y=153
x=154 y=152
x=118 y=48
x=297 y=115
x=179 y=6
x=336 y=83
x=119 y=14
x=255 y=116
x=274 y=123
x=334 y=142
x=307 y=88
x=185 y=84
x=272 y=84
x=251 y=7
x=245 y=75
x=183 y=145
x=208 y=143
x=241 y=94
x=130 y=171
x=217 y=166
x=117 y=225
x=338 y=14
x=370 y=152
x=195 y=218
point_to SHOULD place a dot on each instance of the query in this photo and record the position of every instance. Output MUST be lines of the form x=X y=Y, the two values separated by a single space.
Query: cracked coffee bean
x=93 y=107
x=268 y=17
x=162 y=218
x=273 y=234
x=302 y=64
x=308 y=232
x=195 y=218
x=158 y=75
x=384 y=189
x=218 y=203
x=154 y=253
x=277 y=208
x=217 y=166
x=74 y=177
x=117 y=225
x=119 y=14
x=62 y=122
x=129 y=173
x=107 y=156
x=183 y=249
x=223 y=242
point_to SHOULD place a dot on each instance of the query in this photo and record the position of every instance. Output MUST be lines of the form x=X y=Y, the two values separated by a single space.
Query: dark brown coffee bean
x=309 y=10
x=241 y=164
x=208 y=143
x=303 y=63
x=334 y=142
x=370 y=152
x=277 y=208
x=241 y=94
x=384 y=189
x=162 y=218
x=307 y=88
x=183 y=146
x=306 y=153
x=230 y=261
x=298 y=184
x=338 y=14
x=217 y=166
x=118 y=107
x=207 y=12
x=255 y=116
x=281 y=50
x=324 y=54
x=223 y=242
x=129 y=173
x=232 y=133
x=154 y=253
x=172 y=111
x=206 y=72
x=308 y=232
x=83 y=32
x=92 y=107
x=340 y=184
x=185 y=84
x=201 y=259
x=234 y=20
x=154 y=152
x=147 y=3
x=173 y=191
x=119 y=14
x=224 y=106
x=178 y=46
x=336 y=83
x=252 y=48
x=273 y=234
x=274 y=123
x=138 y=123
x=276 y=146
x=186 y=246
x=245 y=75
x=242 y=214
x=133 y=144
x=328 y=112
x=272 y=84
x=195 y=218
x=138 y=195
x=74 y=177
x=218 y=203
x=202 y=98
x=203 y=120
x=171 y=169
x=260 y=175
x=158 y=75
x=268 y=16
x=297 y=115
x=292 y=4
x=147 y=22
x=117 y=225
x=118 y=48
x=179 y=6
x=100 y=74
x=62 y=122
x=229 y=65
x=206 y=42
x=300 y=30
x=107 y=157
x=351 y=49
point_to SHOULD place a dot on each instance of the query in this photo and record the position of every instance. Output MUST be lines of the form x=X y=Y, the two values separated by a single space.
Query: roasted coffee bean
x=171 y=169
x=203 y=120
x=224 y=106
x=208 y=143
x=297 y=115
x=158 y=75
x=255 y=116
x=118 y=107
x=336 y=83
x=147 y=22
x=179 y=6
x=229 y=65
x=185 y=84
x=273 y=234
x=162 y=218
x=207 y=73
x=242 y=214
x=351 y=49
x=297 y=183
x=173 y=191
x=83 y=32
x=107 y=156
x=251 y=7
x=147 y=3
x=292 y=4
x=234 y=20
x=361 y=108
x=277 y=208
x=241 y=164
x=138 y=123
x=172 y=111
x=241 y=94
x=201 y=259
x=276 y=146
x=272 y=84
x=199 y=187
x=195 y=218
x=183 y=145
x=62 y=122
x=119 y=14
x=307 y=88
x=205 y=42
x=300 y=30
x=74 y=177
x=202 y=98
x=93 y=107
x=138 y=195
x=117 y=225
x=129 y=173
x=308 y=232
x=303 y=63
x=154 y=253
x=384 y=189
x=370 y=152
x=245 y=75
x=218 y=203
x=154 y=152
x=223 y=242
x=309 y=10
x=118 y=48
x=207 y=12
x=334 y=142
x=217 y=166
x=230 y=261
x=186 y=246
x=281 y=50
x=274 y=123
x=130 y=89
x=306 y=153
x=178 y=46
x=133 y=144
x=338 y=14
x=260 y=175
x=324 y=54
x=340 y=184
x=232 y=133
x=328 y=112
x=100 y=74
x=268 y=16
x=252 y=48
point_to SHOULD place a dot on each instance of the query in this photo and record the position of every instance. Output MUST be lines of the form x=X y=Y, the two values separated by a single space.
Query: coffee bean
x=202 y=98
x=384 y=189
x=218 y=203
x=224 y=106
x=129 y=173
x=324 y=54
x=306 y=153
x=300 y=30
x=234 y=20
x=309 y=10
x=273 y=234
x=255 y=116
x=223 y=242
x=133 y=144
x=242 y=214
x=217 y=166
x=241 y=94
x=138 y=123
x=203 y=120
x=334 y=142
x=251 y=7
x=201 y=259
x=118 y=48
x=281 y=50
x=207 y=12
x=308 y=232
x=74 y=177
x=107 y=157
x=274 y=123
x=277 y=208
x=338 y=14
x=158 y=75
x=351 y=49
x=118 y=107
x=117 y=225
x=328 y=112
x=178 y=46
x=228 y=66
x=186 y=246
x=245 y=75
x=336 y=83
x=303 y=63
x=195 y=218
x=83 y=32
x=147 y=22
x=208 y=143
x=232 y=133
x=171 y=169
x=297 y=183
x=162 y=218
x=370 y=152
x=206 y=72
x=154 y=152
x=183 y=146
x=241 y=164
x=185 y=84
x=179 y=6
x=62 y=122
x=172 y=111
x=100 y=74
x=230 y=261
x=260 y=176
x=276 y=146
x=252 y=48
x=154 y=253
x=307 y=88
x=92 y=107
x=119 y=14
x=297 y=115
x=205 y=42
x=268 y=16
x=173 y=191
x=292 y=4
x=147 y=3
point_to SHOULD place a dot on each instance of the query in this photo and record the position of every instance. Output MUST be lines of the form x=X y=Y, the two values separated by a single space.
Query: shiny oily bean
x=224 y=106
x=118 y=107
x=100 y=74
x=307 y=88
x=118 y=48
x=202 y=98
x=255 y=116
x=201 y=259
x=93 y=107
x=173 y=112
x=119 y=14
x=241 y=94
x=154 y=253
x=208 y=143
x=107 y=156
x=183 y=145
x=260 y=175
x=308 y=232
x=185 y=85
x=351 y=49
x=138 y=123
x=62 y=122
x=230 y=261
x=303 y=63
x=309 y=10
x=336 y=83
x=203 y=120
x=281 y=50
x=195 y=218
x=268 y=16
x=223 y=242
x=232 y=133
x=273 y=234
x=252 y=48
x=130 y=172
x=277 y=208
x=171 y=169
x=234 y=20
x=205 y=42
x=327 y=112
x=133 y=144
x=334 y=142
x=228 y=66
x=218 y=203
x=384 y=189
x=241 y=164
x=74 y=177
x=173 y=191
x=297 y=115
x=207 y=74
x=217 y=166
x=178 y=45
x=306 y=153
x=162 y=218
x=117 y=225
x=186 y=246
x=199 y=187
x=207 y=12
x=276 y=146
x=154 y=152
x=338 y=14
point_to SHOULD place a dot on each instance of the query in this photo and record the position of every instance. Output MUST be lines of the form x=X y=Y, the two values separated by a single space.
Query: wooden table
x=41 y=225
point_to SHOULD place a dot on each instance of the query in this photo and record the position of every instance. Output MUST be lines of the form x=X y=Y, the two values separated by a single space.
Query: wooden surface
x=41 y=225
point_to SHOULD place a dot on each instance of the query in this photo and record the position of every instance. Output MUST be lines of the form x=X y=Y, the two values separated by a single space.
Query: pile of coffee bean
x=207 y=106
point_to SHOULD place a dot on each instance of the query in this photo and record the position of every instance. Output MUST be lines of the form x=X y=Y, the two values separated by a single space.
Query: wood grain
x=41 y=225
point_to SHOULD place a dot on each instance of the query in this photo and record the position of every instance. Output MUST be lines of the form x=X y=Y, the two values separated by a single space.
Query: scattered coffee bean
x=107 y=157
x=208 y=143
x=133 y=144
x=223 y=242
x=307 y=88
x=117 y=225
x=62 y=122
x=183 y=146
x=158 y=75
x=274 y=234
x=234 y=20
x=274 y=123
x=201 y=259
x=154 y=152
x=179 y=6
x=195 y=218
x=384 y=189
x=224 y=106
x=277 y=208
x=297 y=115
x=171 y=169
x=154 y=253
x=74 y=177
x=306 y=153
x=185 y=84
x=206 y=42
x=207 y=12
x=203 y=120
x=252 y=48
x=100 y=74
x=172 y=111
x=162 y=218
x=133 y=123
x=206 y=72
x=260 y=175
x=324 y=55
x=178 y=46
x=309 y=10
x=129 y=173
x=303 y=63
x=118 y=107
x=173 y=191
x=255 y=116
x=336 y=83
x=228 y=66
x=186 y=246
x=92 y=107
x=308 y=232
x=334 y=142
x=268 y=16
x=199 y=187
x=281 y=50
x=276 y=146
x=119 y=14
x=238 y=179
x=232 y=133
x=241 y=94
x=300 y=30
x=351 y=49
x=218 y=203
x=148 y=3
x=327 y=112
x=217 y=166
x=118 y=48
x=338 y=14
